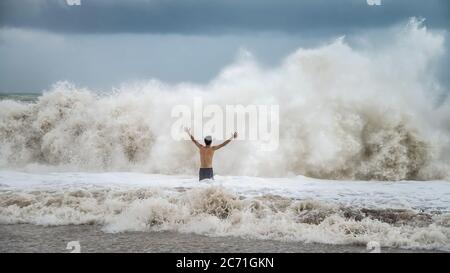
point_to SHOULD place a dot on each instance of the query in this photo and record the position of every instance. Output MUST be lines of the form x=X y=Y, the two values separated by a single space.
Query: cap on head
x=208 y=140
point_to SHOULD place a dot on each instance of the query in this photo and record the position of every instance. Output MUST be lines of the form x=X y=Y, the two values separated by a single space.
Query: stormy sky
x=102 y=43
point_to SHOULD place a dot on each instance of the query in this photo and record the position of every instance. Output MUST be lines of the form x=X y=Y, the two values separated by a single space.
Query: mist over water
x=367 y=112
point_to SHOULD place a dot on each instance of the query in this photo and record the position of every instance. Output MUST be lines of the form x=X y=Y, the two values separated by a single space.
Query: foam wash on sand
x=346 y=114
x=405 y=214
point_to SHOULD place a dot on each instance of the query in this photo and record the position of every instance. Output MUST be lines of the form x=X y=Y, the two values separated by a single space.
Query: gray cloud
x=215 y=16
x=105 y=42
x=33 y=60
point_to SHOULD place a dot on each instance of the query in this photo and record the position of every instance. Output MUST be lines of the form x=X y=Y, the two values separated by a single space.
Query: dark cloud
x=215 y=16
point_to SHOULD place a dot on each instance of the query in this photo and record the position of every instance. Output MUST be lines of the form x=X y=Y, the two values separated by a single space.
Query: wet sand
x=32 y=238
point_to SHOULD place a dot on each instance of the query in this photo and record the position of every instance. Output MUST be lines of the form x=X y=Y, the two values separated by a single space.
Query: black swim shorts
x=205 y=173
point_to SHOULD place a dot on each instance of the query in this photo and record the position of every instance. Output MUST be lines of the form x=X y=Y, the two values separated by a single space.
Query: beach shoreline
x=54 y=239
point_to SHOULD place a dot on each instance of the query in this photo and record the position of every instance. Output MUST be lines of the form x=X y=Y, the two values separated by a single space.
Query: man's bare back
x=207 y=154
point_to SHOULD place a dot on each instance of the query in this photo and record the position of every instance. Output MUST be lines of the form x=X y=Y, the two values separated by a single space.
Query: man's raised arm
x=225 y=142
x=188 y=131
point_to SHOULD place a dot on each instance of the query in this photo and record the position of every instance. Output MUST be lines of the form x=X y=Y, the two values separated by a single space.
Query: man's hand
x=225 y=142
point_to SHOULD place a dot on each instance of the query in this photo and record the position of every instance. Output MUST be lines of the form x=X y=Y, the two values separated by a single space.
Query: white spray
x=345 y=113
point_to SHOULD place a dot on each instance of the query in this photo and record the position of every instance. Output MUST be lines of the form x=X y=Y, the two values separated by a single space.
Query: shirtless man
x=207 y=153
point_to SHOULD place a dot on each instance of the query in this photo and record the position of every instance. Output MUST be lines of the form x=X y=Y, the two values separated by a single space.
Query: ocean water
x=364 y=152
x=21 y=97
